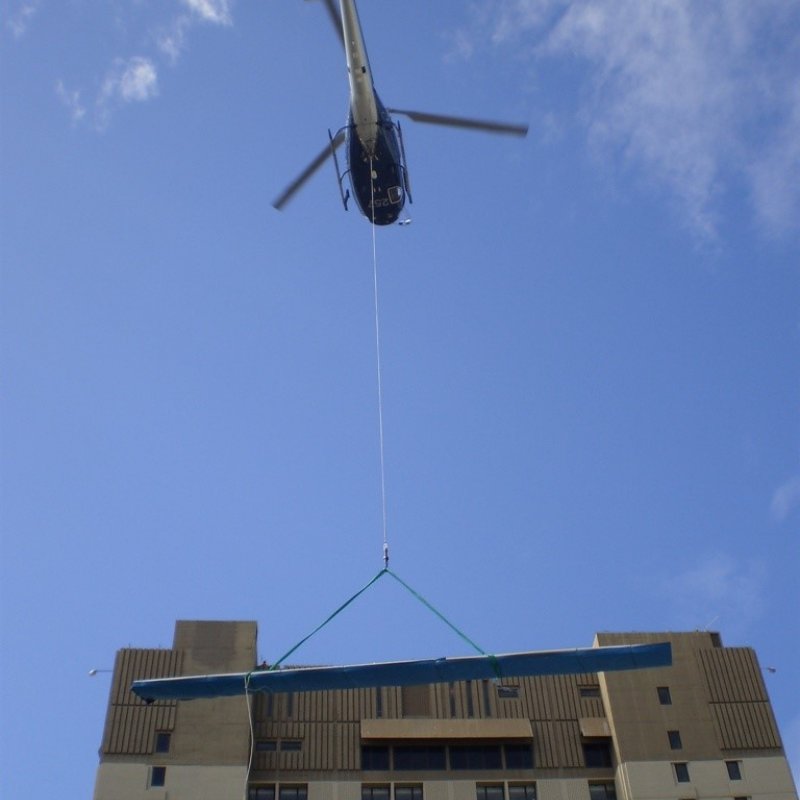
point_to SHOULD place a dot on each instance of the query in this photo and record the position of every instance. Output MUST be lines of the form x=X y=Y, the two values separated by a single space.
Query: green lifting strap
x=419 y=597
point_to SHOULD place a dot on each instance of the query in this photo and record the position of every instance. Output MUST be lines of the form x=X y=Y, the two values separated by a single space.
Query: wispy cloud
x=20 y=18
x=71 y=98
x=215 y=11
x=697 y=95
x=786 y=499
x=719 y=590
x=135 y=79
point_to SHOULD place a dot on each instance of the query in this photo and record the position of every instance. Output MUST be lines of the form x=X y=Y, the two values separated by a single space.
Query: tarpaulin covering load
x=408 y=673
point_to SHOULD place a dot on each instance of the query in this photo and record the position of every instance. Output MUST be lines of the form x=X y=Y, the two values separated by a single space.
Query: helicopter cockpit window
x=395 y=194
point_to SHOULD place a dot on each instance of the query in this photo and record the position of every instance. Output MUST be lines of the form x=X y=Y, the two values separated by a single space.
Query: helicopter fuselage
x=374 y=150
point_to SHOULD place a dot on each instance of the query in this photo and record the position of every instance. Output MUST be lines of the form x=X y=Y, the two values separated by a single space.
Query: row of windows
x=284 y=745
x=681 y=768
x=282 y=792
x=400 y=791
x=437 y=757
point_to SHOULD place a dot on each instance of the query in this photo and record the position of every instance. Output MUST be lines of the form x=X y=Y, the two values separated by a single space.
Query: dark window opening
x=261 y=793
x=674 y=740
x=597 y=753
x=374 y=757
x=408 y=792
x=375 y=792
x=163 y=740
x=590 y=691
x=664 y=696
x=291 y=745
x=521 y=791
x=489 y=792
x=734 y=770
x=603 y=791
x=681 y=772
x=519 y=756
x=486 y=756
x=158 y=776
x=293 y=793
x=507 y=692
x=452 y=693
x=266 y=746
x=470 y=703
x=379 y=702
x=409 y=757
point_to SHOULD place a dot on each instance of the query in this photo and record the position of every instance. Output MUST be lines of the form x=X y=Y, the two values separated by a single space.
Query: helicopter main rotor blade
x=335 y=18
x=462 y=122
x=299 y=182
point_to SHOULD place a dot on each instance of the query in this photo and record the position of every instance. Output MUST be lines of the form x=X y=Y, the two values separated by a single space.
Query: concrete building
x=702 y=728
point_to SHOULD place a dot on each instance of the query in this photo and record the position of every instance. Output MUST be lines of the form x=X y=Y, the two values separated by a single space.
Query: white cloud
x=171 y=40
x=786 y=499
x=719 y=591
x=134 y=80
x=698 y=95
x=216 y=11
x=72 y=100
x=19 y=20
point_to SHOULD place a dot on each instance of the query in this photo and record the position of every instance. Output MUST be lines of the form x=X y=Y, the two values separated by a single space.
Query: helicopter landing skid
x=343 y=193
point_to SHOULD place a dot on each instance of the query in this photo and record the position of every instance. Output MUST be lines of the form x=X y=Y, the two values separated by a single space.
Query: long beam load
x=408 y=673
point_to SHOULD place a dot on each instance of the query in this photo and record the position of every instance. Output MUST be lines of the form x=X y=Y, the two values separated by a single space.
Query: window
x=590 y=691
x=408 y=792
x=521 y=791
x=379 y=702
x=519 y=756
x=266 y=745
x=492 y=791
x=674 y=740
x=375 y=792
x=681 y=772
x=605 y=790
x=291 y=745
x=293 y=792
x=162 y=742
x=486 y=756
x=419 y=757
x=261 y=793
x=664 y=696
x=374 y=757
x=470 y=703
x=597 y=753
x=507 y=692
x=158 y=776
x=734 y=770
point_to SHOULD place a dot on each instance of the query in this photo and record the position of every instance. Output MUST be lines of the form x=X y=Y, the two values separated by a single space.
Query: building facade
x=702 y=728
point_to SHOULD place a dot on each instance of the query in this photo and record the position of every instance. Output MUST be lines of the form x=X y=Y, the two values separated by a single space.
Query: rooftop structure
x=701 y=728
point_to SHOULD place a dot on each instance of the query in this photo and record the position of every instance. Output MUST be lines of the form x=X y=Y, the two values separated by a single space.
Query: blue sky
x=590 y=339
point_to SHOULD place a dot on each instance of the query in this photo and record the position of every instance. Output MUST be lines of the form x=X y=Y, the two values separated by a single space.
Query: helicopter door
x=395 y=194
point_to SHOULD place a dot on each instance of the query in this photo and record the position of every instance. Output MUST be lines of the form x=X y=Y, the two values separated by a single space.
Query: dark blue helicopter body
x=379 y=182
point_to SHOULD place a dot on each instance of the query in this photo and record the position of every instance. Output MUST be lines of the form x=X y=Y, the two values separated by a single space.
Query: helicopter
x=376 y=161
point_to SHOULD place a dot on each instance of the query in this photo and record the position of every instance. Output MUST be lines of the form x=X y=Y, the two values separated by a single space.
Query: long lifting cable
x=378 y=363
